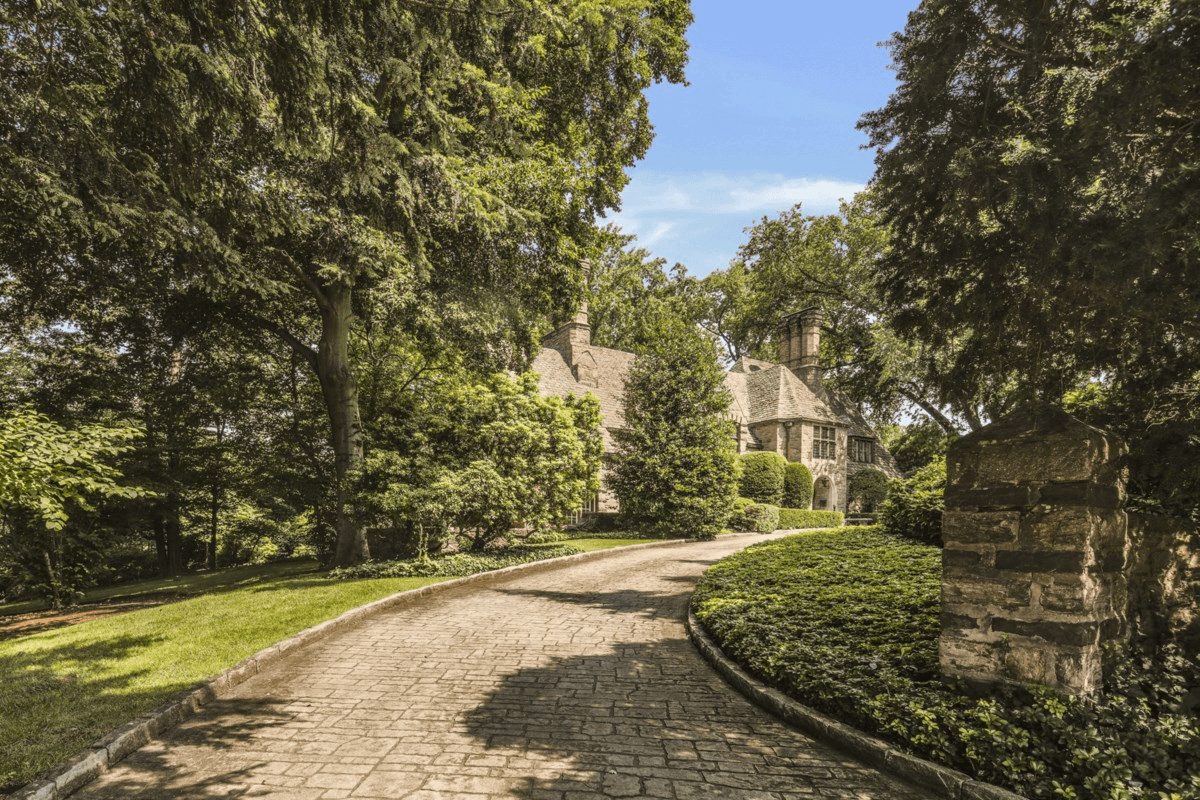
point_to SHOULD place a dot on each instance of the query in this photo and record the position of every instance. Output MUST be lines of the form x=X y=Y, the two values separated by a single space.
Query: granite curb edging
x=84 y=767
x=943 y=781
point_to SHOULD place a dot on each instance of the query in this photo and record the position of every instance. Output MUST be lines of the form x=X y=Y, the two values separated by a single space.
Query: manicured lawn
x=846 y=621
x=63 y=689
x=197 y=583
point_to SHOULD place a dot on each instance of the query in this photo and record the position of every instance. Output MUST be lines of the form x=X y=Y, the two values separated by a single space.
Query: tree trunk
x=215 y=499
x=214 y=510
x=172 y=511
x=174 y=538
x=160 y=544
x=933 y=411
x=53 y=589
x=340 y=391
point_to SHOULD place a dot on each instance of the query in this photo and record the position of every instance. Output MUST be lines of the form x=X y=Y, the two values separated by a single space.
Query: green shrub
x=913 y=508
x=545 y=537
x=797 y=486
x=762 y=477
x=849 y=625
x=455 y=564
x=619 y=534
x=251 y=535
x=790 y=518
x=868 y=487
x=751 y=516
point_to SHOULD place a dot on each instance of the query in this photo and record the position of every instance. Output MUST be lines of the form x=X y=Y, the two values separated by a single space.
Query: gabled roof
x=774 y=392
x=739 y=406
x=612 y=372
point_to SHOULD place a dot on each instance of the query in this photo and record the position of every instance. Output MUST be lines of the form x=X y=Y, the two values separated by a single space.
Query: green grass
x=63 y=689
x=185 y=585
x=847 y=621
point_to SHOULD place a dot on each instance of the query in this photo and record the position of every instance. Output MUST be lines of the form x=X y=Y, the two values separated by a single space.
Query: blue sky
x=768 y=121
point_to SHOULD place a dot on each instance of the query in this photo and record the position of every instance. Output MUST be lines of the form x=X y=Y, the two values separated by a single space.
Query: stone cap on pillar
x=1036 y=443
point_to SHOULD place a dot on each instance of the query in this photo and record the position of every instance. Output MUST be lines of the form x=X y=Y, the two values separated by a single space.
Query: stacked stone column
x=1035 y=543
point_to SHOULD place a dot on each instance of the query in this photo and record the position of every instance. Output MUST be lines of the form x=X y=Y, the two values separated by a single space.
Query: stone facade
x=782 y=407
x=1033 y=570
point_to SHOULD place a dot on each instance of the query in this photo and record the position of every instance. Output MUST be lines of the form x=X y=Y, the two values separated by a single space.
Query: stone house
x=781 y=407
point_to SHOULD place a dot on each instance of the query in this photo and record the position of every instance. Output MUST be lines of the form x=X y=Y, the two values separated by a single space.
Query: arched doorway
x=823 y=494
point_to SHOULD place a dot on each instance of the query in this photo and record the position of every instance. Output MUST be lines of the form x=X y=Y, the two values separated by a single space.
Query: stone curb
x=942 y=781
x=85 y=767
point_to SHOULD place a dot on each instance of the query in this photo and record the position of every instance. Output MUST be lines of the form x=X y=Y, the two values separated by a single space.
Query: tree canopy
x=278 y=158
x=792 y=261
x=1038 y=167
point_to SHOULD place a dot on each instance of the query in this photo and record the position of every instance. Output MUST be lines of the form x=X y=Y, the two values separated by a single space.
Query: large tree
x=280 y=157
x=631 y=292
x=1039 y=164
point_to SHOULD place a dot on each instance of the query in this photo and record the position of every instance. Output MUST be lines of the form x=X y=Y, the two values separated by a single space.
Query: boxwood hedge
x=849 y=625
x=762 y=477
x=797 y=485
x=804 y=518
x=751 y=516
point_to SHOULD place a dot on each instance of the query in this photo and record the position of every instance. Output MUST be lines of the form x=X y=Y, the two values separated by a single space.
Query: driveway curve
x=566 y=684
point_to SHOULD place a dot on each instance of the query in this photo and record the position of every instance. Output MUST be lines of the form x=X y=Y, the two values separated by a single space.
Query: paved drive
x=569 y=684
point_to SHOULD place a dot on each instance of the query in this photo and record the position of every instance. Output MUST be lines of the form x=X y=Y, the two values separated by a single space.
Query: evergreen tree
x=674 y=470
x=1039 y=168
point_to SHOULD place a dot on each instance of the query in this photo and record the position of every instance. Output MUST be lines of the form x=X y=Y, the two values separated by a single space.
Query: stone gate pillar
x=1035 y=541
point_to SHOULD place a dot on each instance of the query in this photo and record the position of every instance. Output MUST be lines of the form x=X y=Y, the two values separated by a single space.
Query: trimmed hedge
x=455 y=564
x=751 y=516
x=797 y=486
x=803 y=518
x=762 y=477
x=913 y=508
x=849 y=625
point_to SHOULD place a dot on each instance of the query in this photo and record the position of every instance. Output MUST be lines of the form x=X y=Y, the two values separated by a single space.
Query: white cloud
x=718 y=193
x=699 y=219
x=658 y=234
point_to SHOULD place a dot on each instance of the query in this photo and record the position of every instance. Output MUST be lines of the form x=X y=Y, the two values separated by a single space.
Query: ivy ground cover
x=846 y=622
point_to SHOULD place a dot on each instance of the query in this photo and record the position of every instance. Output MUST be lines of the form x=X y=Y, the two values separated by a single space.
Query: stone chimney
x=800 y=345
x=574 y=340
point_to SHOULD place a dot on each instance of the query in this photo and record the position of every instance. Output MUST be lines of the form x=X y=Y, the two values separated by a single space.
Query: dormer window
x=863 y=450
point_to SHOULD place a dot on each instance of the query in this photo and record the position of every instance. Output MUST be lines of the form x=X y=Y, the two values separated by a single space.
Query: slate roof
x=773 y=392
x=739 y=407
x=745 y=364
x=612 y=370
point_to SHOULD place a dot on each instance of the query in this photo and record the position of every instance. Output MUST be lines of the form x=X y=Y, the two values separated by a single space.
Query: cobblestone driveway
x=569 y=684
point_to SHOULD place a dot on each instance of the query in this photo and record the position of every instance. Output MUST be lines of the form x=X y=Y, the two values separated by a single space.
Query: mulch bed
x=17 y=625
